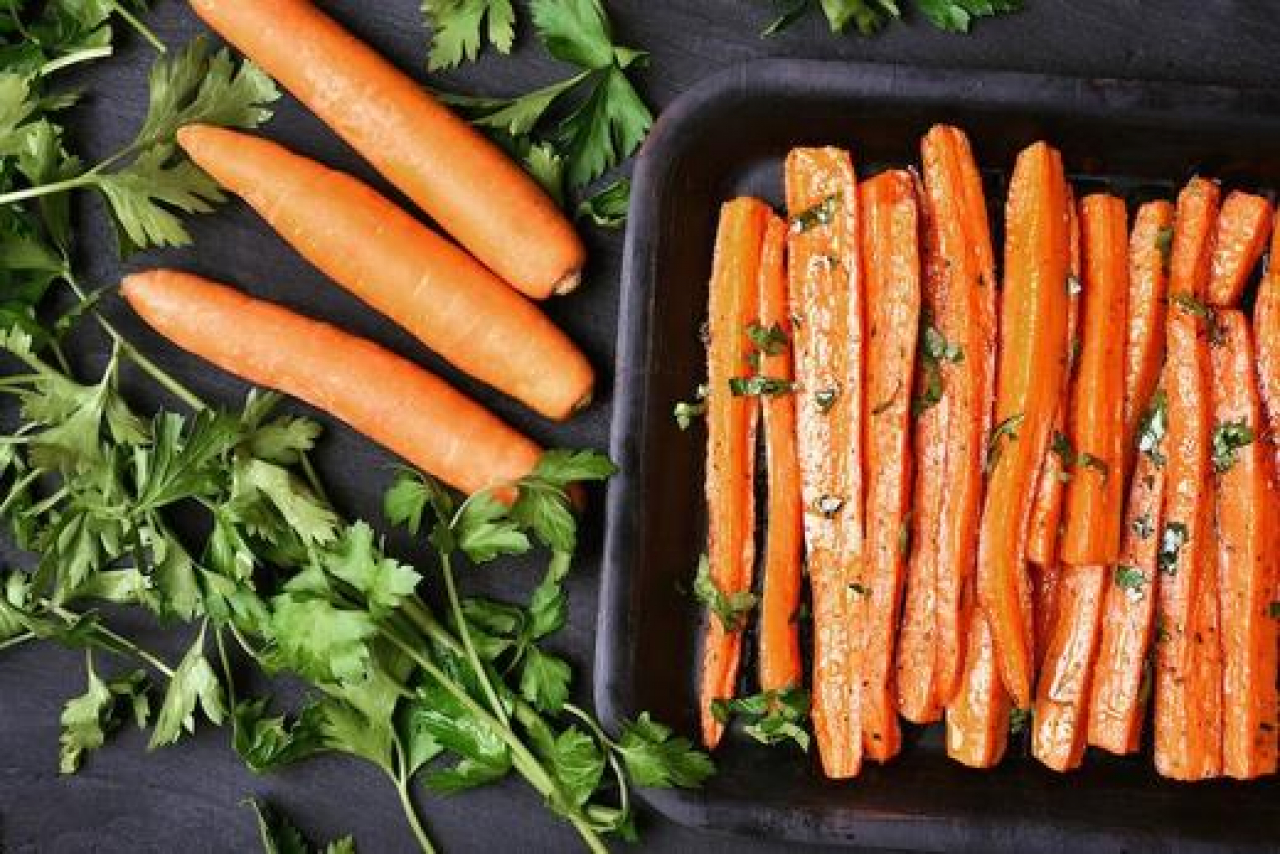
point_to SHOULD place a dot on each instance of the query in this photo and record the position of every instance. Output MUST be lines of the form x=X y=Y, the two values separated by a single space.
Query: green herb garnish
x=771 y=717
x=1154 y=428
x=758 y=386
x=732 y=609
x=1130 y=578
x=821 y=213
x=1228 y=438
x=1006 y=430
x=1171 y=543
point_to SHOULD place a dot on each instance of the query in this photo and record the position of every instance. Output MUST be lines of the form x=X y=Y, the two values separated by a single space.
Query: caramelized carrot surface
x=1266 y=334
x=1046 y=588
x=1244 y=223
x=978 y=716
x=1150 y=249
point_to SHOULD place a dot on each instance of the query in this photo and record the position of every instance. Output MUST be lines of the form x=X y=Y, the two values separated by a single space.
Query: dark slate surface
x=188 y=798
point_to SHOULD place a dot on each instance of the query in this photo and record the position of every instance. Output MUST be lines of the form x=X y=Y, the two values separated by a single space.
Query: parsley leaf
x=1006 y=430
x=656 y=759
x=1130 y=578
x=1154 y=428
x=458 y=27
x=608 y=208
x=280 y=836
x=732 y=608
x=87 y=720
x=685 y=411
x=1175 y=536
x=772 y=717
x=193 y=683
x=869 y=16
x=1228 y=438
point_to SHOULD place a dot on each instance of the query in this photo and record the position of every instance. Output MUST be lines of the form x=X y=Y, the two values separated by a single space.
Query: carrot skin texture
x=1244 y=224
x=1046 y=591
x=1148 y=293
x=376 y=392
x=1117 y=707
x=825 y=275
x=891 y=261
x=1032 y=361
x=978 y=716
x=428 y=285
x=731 y=424
x=1247 y=563
x=1095 y=495
x=1196 y=218
x=1266 y=334
x=780 y=660
x=459 y=178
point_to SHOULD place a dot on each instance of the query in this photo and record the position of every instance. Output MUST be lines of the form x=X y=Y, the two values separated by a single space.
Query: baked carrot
x=978 y=715
x=436 y=291
x=1117 y=705
x=1266 y=335
x=1059 y=722
x=1095 y=424
x=1150 y=247
x=1247 y=557
x=734 y=304
x=1046 y=589
x=1244 y=223
x=891 y=261
x=1033 y=356
x=379 y=394
x=1191 y=261
x=825 y=274
x=1051 y=492
x=956 y=395
x=460 y=179
x=780 y=661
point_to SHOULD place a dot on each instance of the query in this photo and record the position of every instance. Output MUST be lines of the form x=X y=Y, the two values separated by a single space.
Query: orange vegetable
x=1033 y=355
x=731 y=423
x=978 y=716
x=1266 y=334
x=1150 y=247
x=780 y=662
x=1095 y=495
x=1241 y=235
x=1248 y=552
x=825 y=273
x=460 y=179
x=401 y=268
x=1046 y=590
x=379 y=394
x=891 y=259
x=1191 y=262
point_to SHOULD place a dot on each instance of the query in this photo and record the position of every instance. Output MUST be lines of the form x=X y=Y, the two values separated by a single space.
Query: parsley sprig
x=870 y=16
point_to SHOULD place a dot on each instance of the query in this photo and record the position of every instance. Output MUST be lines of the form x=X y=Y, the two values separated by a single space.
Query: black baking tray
x=727 y=137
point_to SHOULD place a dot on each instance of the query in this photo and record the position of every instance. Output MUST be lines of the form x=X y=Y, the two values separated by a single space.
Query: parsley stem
x=16 y=640
x=611 y=754
x=141 y=28
x=119 y=642
x=87 y=55
x=88 y=179
x=411 y=813
x=482 y=674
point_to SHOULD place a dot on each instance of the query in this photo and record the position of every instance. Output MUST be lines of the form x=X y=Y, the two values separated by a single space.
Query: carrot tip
x=568 y=283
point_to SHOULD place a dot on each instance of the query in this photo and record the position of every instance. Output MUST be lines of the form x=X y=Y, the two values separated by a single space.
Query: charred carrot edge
x=966 y=317
x=731 y=420
x=1266 y=336
x=1095 y=425
x=1033 y=355
x=1150 y=248
x=780 y=662
x=825 y=273
x=978 y=716
x=387 y=398
x=1247 y=562
x=1059 y=722
x=891 y=260
x=463 y=181
x=1118 y=706
x=1244 y=224
x=1051 y=493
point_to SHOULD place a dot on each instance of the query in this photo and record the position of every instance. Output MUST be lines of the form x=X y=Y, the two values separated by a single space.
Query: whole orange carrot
x=891 y=259
x=379 y=394
x=1241 y=235
x=1247 y=557
x=401 y=268
x=1150 y=247
x=825 y=273
x=1033 y=355
x=780 y=664
x=464 y=182
x=731 y=422
x=1266 y=334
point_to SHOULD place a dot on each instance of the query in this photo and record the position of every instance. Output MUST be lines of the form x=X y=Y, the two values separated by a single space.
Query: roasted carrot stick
x=1191 y=262
x=1244 y=224
x=464 y=182
x=1247 y=557
x=978 y=716
x=1150 y=247
x=1266 y=333
x=1033 y=356
x=401 y=268
x=1117 y=706
x=825 y=274
x=379 y=394
x=1059 y=723
x=891 y=260
x=957 y=399
x=1095 y=495
x=734 y=305
x=780 y=661
x=1046 y=590
x=1051 y=492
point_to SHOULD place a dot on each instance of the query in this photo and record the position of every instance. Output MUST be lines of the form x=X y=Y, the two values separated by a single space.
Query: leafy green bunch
x=41 y=37
x=870 y=16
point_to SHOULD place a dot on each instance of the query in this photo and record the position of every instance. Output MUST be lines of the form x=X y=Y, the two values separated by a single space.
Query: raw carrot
x=436 y=291
x=891 y=259
x=1244 y=224
x=780 y=663
x=1150 y=247
x=1117 y=705
x=825 y=273
x=1095 y=425
x=1247 y=557
x=379 y=394
x=731 y=422
x=978 y=716
x=1033 y=355
x=1059 y=722
x=1266 y=334
x=464 y=182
